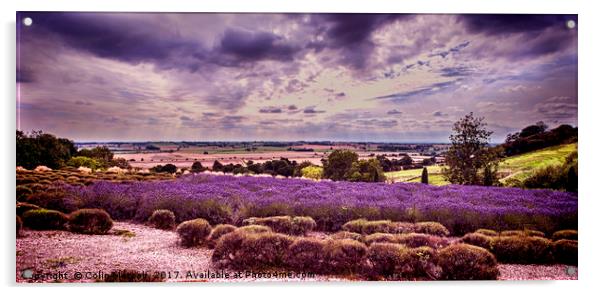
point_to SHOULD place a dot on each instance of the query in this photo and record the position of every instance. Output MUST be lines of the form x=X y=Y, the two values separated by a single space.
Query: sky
x=341 y=77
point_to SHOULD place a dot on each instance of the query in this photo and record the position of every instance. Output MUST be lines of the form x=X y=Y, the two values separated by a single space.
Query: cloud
x=270 y=110
x=393 y=112
x=439 y=114
x=496 y=24
x=312 y=110
x=248 y=46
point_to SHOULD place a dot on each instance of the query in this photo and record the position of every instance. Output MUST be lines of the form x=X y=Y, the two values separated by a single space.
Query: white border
x=589 y=125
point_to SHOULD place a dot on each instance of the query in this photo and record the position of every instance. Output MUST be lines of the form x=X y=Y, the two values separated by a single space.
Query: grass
x=413 y=175
x=522 y=166
x=516 y=167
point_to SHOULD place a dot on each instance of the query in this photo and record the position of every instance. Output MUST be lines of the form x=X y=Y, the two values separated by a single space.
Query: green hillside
x=521 y=166
x=516 y=167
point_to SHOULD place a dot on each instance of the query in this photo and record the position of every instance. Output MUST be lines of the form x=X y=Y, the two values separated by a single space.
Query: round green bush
x=477 y=239
x=565 y=252
x=302 y=225
x=381 y=238
x=264 y=250
x=416 y=240
x=431 y=228
x=344 y=256
x=90 y=221
x=347 y=235
x=522 y=249
x=220 y=230
x=162 y=219
x=365 y=227
x=419 y=263
x=526 y=232
x=306 y=255
x=19 y=225
x=23 y=207
x=193 y=232
x=487 y=232
x=255 y=229
x=42 y=219
x=385 y=259
x=567 y=234
x=298 y=225
x=467 y=262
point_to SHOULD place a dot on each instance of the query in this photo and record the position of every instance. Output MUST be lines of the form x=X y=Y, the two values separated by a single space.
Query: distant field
x=516 y=167
x=521 y=166
x=413 y=175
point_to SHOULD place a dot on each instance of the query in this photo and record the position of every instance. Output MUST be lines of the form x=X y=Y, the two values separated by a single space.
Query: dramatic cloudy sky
x=367 y=77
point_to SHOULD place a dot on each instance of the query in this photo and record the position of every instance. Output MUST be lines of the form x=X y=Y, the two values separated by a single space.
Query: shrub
x=565 y=251
x=380 y=238
x=526 y=232
x=218 y=231
x=567 y=234
x=312 y=172
x=90 y=221
x=347 y=235
x=431 y=228
x=302 y=225
x=19 y=225
x=53 y=199
x=419 y=240
x=467 y=262
x=23 y=192
x=522 y=249
x=344 y=256
x=227 y=245
x=298 y=225
x=487 y=232
x=306 y=254
x=419 y=263
x=42 y=219
x=81 y=161
x=264 y=250
x=385 y=259
x=240 y=249
x=366 y=227
x=477 y=239
x=254 y=229
x=162 y=219
x=193 y=232
x=23 y=207
x=402 y=228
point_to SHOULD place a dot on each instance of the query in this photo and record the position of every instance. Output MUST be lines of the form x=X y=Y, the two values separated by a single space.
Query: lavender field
x=228 y=199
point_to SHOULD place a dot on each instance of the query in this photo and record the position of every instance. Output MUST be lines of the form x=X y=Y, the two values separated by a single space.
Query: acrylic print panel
x=172 y=147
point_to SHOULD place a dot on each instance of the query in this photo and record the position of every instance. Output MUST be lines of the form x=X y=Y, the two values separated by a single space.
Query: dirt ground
x=50 y=256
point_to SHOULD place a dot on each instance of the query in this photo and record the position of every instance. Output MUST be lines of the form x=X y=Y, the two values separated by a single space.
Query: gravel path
x=49 y=256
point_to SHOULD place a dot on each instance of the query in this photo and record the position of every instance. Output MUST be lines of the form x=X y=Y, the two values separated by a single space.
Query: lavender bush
x=228 y=199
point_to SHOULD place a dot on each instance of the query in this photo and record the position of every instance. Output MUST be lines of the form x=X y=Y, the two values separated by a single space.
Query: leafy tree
x=338 y=164
x=197 y=167
x=81 y=161
x=406 y=161
x=469 y=154
x=425 y=176
x=366 y=171
x=217 y=166
x=101 y=153
x=313 y=172
x=539 y=127
x=169 y=168
x=38 y=148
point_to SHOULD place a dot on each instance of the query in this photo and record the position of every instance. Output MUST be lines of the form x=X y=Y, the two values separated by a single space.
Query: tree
x=313 y=172
x=406 y=161
x=425 y=176
x=366 y=171
x=217 y=166
x=469 y=154
x=539 y=127
x=81 y=161
x=169 y=168
x=338 y=164
x=197 y=167
x=38 y=148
